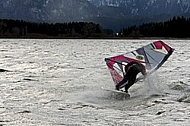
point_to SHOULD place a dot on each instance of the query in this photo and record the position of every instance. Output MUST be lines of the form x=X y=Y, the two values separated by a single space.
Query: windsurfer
x=131 y=71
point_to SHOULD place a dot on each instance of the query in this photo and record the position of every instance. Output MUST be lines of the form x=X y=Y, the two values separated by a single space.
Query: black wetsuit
x=129 y=79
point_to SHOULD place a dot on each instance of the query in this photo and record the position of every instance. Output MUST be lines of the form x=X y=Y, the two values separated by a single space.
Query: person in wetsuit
x=131 y=69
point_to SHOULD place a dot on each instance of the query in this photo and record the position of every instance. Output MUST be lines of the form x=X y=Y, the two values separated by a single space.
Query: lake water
x=59 y=82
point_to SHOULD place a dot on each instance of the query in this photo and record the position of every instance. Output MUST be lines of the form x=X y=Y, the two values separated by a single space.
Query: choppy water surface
x=59 y=82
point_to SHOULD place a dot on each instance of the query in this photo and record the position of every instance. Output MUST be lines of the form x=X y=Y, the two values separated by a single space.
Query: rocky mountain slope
x=113 y=14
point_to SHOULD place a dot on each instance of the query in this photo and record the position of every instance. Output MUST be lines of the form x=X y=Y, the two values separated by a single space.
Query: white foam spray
x=154 y=85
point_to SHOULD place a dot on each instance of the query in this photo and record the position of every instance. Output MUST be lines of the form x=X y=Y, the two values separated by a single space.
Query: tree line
x=19 y=28
x=177 y=27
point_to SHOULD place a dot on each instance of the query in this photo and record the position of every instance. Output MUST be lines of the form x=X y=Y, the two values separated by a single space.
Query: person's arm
x=142 y=69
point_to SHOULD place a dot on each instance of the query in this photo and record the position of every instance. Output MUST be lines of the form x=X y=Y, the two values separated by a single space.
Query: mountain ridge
x=112 y=14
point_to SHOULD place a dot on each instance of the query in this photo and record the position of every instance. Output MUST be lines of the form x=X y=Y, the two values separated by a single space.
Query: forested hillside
x=17 y=28
x=178 y=27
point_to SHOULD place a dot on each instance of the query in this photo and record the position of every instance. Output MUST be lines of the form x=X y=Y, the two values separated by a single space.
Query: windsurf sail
x=152 y=56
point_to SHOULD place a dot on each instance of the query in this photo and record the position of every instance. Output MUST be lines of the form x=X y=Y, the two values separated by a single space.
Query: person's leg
x=122 y=83
x=130 y=76
x=130 y=83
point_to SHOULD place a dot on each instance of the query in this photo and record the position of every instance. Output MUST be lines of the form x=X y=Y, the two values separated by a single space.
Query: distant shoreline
x=52 y=37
